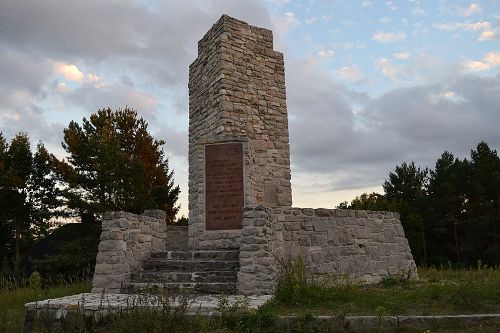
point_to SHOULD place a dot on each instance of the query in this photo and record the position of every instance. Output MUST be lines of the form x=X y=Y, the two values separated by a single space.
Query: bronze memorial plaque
x=224 y=197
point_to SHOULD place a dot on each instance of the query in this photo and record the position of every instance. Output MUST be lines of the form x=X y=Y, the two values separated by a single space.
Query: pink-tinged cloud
x=473 y=8
x=488 y=34
x=69 y=71
x=489 y=61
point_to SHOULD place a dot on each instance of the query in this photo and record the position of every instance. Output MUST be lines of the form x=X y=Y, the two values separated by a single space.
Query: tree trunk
x=424 y=243
x=18 y=237
x=457 y=249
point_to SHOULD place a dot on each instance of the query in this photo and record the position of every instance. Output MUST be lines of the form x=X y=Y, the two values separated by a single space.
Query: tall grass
x=14 y=293
x=439 y=291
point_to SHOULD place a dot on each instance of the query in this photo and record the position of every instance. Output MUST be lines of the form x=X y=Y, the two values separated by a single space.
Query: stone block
x=292 y=226
x=304 y=240
x=318 y=225
x=322 y=212
x=112 y=245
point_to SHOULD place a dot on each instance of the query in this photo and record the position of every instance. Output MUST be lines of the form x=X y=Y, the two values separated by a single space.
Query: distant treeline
x=450 y=213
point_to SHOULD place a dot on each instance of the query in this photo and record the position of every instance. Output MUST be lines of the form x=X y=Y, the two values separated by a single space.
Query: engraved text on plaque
x=224 y=197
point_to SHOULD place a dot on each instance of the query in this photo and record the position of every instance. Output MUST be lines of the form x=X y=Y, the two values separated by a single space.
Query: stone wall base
x=126 y=239
x=363 y=246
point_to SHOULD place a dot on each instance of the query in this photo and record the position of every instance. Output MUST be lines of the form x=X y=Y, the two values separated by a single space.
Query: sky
x=370 y=84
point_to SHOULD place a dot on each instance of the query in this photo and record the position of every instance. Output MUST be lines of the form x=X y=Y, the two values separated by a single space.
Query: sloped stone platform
x=96 y=305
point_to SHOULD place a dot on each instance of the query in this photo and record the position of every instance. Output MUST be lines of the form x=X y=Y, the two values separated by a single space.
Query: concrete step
x=174 y=288
x=206 y=276
x=197 y=254
x=183 y=265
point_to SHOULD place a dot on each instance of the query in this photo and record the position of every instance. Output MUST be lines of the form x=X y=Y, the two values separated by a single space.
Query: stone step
x=206 y=276
x=233 y=255
x=177 y=246
x=172 y=265
x=198 y=288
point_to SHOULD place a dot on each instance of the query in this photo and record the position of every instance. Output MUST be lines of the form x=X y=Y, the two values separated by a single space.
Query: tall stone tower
x=239 y=153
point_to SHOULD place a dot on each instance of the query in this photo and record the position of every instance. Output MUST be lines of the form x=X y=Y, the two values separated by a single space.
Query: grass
x=12 y=301
x=438 y=291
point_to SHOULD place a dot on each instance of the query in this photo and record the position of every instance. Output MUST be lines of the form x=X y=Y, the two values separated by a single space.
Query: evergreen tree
x=115 y=164
x=44 y=194
x=16 y=172
x=406 y=188
x=373 y=201
x=28 y=197
x=483 y=204
x=446 y=204
x=6 y=228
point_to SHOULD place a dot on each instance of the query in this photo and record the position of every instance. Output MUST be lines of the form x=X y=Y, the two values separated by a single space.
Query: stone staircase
x=179 y=269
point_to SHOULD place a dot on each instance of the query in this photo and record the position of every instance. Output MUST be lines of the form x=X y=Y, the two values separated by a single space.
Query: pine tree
x=16 y=173
x=406 y=188
x=115 y=164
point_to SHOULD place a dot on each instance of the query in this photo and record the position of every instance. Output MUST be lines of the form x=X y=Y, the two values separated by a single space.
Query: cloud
x=473 y=8
x=387 y=37
x=350 y=45
x=311 y=20
x=402 y=55
x=326 y=53
x=389 y=69
x=157 y=45
x=391 y=5
x=355 y=148
x=283 y=24
x=488 y=34
x=384 y=20
x=418 y=11
x=476 y=66
x=69 y=71
x=483 y=26
x=492 y=58
x=350 y=73
x=93 y=98
x=463 y=26
x=21 y=70
x=489 y=61
x=279 y=2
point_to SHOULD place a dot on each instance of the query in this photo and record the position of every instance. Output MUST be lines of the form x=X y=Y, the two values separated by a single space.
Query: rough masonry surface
x=126 y=240
x=353 y=245
x=237 y=95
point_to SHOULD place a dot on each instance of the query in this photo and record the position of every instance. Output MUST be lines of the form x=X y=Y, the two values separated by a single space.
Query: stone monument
x=240 y=216
x=239 y=153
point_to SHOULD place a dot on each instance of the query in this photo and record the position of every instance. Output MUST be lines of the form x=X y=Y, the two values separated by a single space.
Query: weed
x=402 y=279
x=292 y=284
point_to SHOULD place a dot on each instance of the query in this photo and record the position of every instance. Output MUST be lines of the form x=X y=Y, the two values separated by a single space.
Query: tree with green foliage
x=483 y=200
x=29 y=197
x=450 y=213
x=115 y=164
x=14 y=193
x=6 y=230
x=446 y=202
x=407 y=189
x=373 y=201
x=44 y=193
